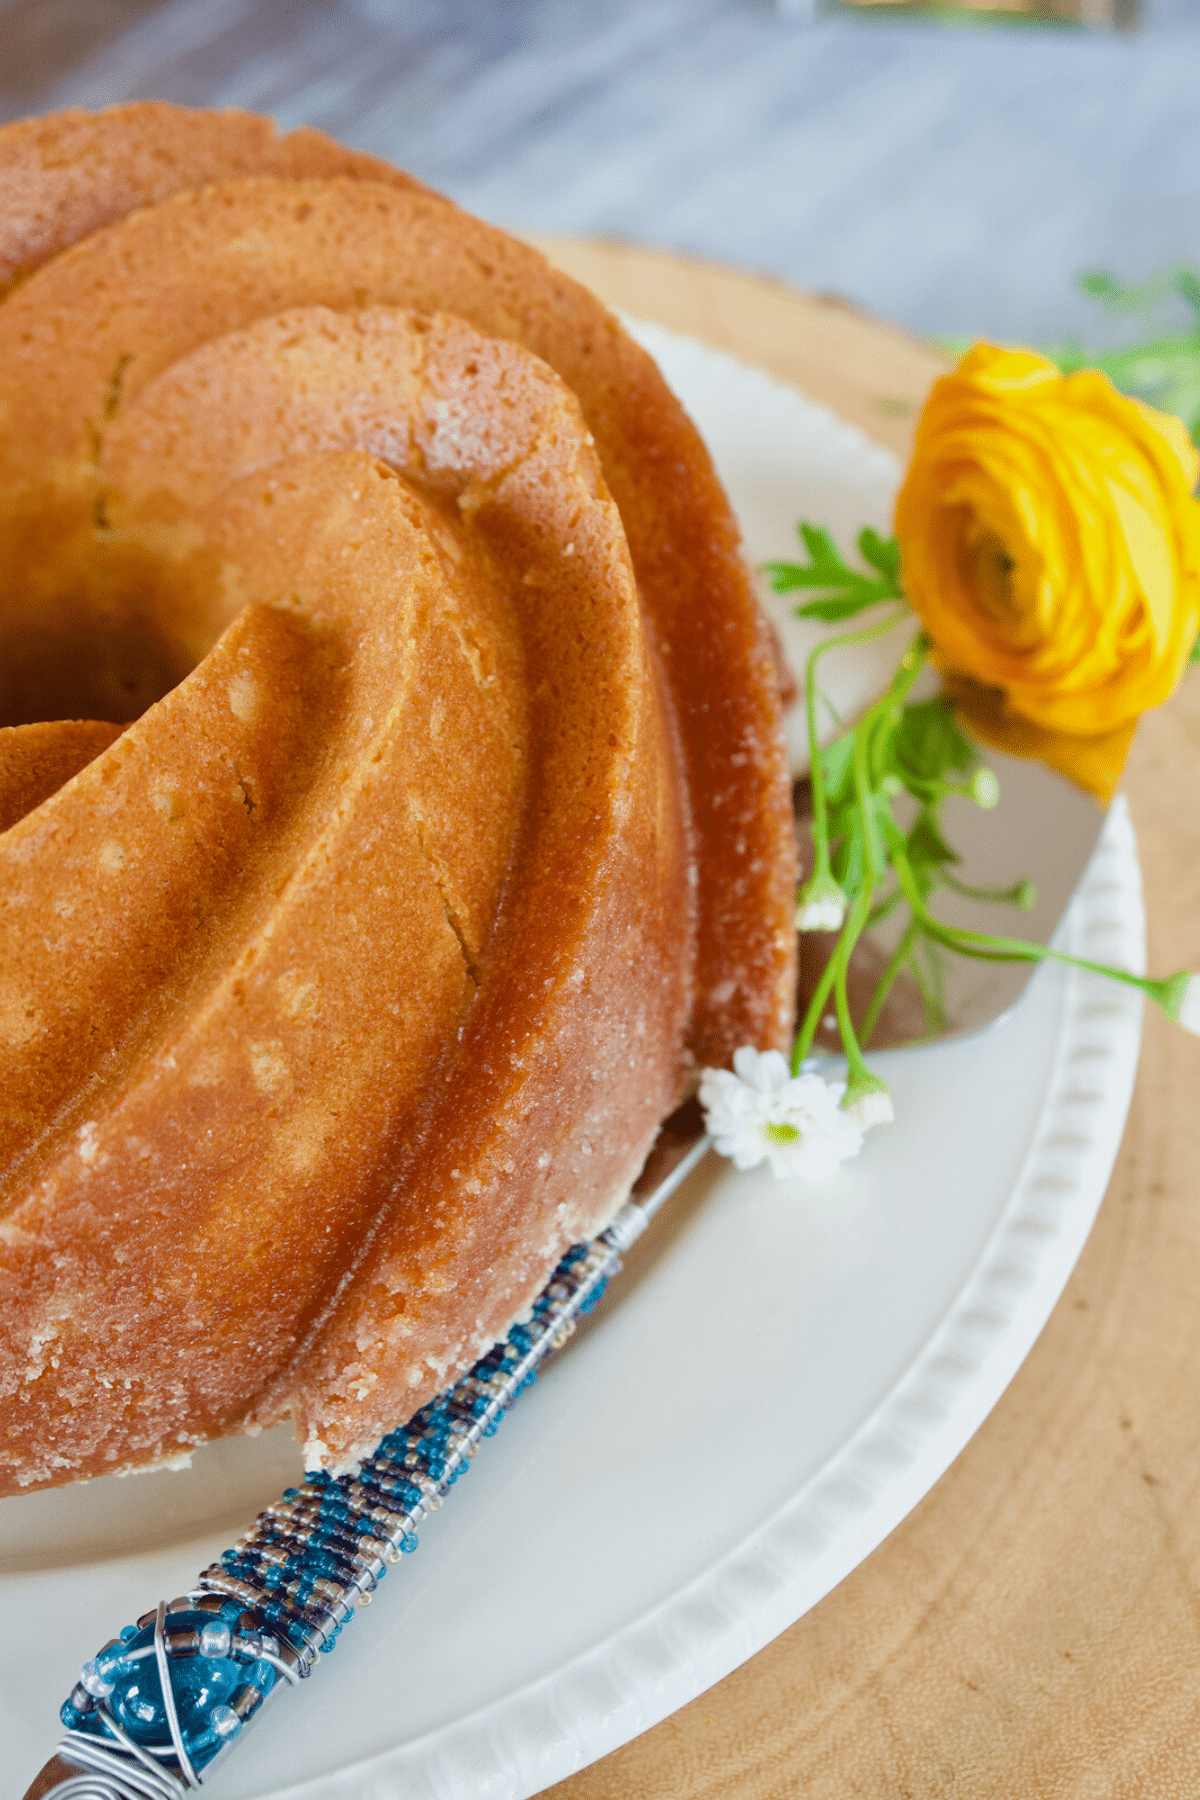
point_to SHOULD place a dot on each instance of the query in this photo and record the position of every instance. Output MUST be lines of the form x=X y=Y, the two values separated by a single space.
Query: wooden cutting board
x=1032 y=1630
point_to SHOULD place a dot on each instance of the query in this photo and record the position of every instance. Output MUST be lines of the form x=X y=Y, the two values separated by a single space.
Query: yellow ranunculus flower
x=1050 y=542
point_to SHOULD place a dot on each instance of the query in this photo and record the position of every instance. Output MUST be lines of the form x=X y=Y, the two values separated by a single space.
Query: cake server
x=159 y=1706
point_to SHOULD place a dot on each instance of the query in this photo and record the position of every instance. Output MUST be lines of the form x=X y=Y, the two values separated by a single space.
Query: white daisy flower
x=761 y=1112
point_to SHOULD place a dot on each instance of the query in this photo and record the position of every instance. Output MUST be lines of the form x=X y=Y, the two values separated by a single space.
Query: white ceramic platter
x=778 y=1377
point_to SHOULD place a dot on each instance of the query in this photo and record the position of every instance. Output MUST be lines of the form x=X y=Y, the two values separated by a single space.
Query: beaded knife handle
x=155 y=1710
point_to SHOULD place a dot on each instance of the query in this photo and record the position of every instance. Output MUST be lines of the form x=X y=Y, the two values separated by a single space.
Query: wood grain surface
x=1032 y=1630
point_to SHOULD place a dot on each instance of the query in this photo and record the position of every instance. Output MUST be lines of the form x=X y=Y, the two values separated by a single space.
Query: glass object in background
x=1119 y=15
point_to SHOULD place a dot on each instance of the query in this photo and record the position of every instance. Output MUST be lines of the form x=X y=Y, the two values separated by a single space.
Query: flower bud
x=1187 y=998
x=820 y=905
x=1189 y=1006
x=868 y=1102
x=985 y=789
x=1179 y=997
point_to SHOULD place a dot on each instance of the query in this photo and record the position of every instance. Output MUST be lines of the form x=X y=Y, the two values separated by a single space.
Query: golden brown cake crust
x=349 y=243
x=65 y=176
x=37 y=759
x=429 y=724
x=427 y=713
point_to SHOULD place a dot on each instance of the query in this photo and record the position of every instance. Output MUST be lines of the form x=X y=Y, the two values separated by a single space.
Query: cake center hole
x=67 y=661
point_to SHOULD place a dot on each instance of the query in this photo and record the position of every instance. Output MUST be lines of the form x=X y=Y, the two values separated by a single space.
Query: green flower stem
x=834 y=976
x=911 y=664
x=856 y=1069
x=863 y=735
x=930 y=989
x=875 y=860
x=812 y=1018
x=887 y=981
x=883 y=909
x=1021 y=893
x=985 y=948
x=820 y=821
x=907 y=670
x=833 y=972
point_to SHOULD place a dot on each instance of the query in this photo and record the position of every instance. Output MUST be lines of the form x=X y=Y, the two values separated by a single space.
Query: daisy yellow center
x=781 y=1134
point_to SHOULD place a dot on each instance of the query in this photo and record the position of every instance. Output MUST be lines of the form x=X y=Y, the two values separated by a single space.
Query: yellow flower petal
x=1094 y=763
x=1050 y=542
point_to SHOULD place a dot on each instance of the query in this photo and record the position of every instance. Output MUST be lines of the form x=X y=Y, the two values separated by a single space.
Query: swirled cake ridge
x=395 y=801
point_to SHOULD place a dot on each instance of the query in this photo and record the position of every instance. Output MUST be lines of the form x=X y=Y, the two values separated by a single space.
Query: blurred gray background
x=955 y=179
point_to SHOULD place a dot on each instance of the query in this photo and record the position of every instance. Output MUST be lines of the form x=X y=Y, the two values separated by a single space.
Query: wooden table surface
x=1032 y=1629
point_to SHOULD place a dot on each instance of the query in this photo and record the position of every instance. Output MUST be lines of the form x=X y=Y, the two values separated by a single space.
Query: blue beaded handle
x=161 y=1704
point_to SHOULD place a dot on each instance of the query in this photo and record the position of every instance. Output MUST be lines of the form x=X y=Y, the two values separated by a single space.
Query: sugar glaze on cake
x=448 y=826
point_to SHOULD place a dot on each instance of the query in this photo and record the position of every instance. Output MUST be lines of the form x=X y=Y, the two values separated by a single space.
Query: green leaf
x=849 y=862
x=882 y=758
x=1120 y=296
x=929 y=743
x=784 y=576
x=837 y=766
x=1195 y=656
x=818 y=542
x=882 y=554
x=926 y=845
x=845 y=607
x=845 y=591
x=787 y=577
x=1164 y=369
x=1188 y=283
x=1164 y=372
x=1070 y=357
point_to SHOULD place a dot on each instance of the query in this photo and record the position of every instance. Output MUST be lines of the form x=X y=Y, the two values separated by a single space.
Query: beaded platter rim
x=657 y=1661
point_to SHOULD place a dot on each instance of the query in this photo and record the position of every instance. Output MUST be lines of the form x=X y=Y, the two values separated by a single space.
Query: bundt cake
x=393 y=809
